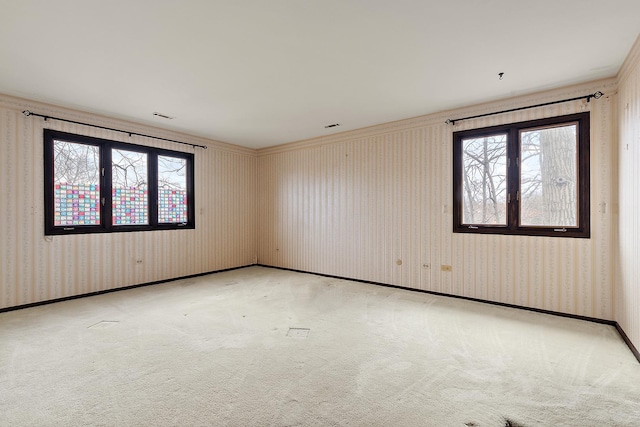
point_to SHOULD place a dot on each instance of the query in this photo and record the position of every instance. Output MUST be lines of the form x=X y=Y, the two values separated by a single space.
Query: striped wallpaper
x=36 y=268
x=627 y=301
x=371 y=204
x=375 y=204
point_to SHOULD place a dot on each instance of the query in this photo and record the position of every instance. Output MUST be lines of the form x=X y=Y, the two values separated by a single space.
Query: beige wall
x=627 y=301
x=34 y=268
x=375 y=204
x=372 y=204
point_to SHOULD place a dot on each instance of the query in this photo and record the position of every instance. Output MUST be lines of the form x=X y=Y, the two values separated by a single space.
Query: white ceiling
x=264 y=72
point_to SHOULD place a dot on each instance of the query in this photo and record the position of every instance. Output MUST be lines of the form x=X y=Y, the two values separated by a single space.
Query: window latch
x=473 y=227
x=103 y=201
x=561 y=230
x=508 y=197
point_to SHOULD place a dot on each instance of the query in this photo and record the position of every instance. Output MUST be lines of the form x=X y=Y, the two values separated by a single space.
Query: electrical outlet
x=445 y=267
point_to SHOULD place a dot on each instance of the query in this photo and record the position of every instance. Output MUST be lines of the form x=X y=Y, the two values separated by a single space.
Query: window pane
x=76 y=184
x=172 y=190
x=129 y=189
x=484 y=162
x=548 y=177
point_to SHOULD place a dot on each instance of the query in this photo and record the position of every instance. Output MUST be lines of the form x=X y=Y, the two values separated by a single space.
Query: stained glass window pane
x=172 y=190
x=130 y=187
x=76 y=179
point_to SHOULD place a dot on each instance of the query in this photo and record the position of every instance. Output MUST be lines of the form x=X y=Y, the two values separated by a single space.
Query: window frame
x=105 y=175
x=513 y=227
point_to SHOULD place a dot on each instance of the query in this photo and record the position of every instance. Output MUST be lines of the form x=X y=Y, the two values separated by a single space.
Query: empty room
x=320 y=213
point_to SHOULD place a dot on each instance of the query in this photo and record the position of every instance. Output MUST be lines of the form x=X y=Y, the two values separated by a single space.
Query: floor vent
x=298 y=332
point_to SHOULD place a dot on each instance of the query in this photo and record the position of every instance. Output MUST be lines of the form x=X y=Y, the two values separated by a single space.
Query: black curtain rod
x=596 y=95
x=29 y=113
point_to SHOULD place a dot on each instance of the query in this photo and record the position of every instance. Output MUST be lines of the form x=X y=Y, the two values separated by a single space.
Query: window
x=529 y=178
x=97 y=186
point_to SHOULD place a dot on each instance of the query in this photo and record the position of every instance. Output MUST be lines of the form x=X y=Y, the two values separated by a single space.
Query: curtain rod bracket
x=596 y=95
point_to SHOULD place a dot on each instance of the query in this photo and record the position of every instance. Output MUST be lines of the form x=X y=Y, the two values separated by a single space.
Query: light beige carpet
x=265 y=347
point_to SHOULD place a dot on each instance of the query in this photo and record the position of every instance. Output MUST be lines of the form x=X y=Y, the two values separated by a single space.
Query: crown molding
x=608 y=86
x=631 y=63
x=21 y=104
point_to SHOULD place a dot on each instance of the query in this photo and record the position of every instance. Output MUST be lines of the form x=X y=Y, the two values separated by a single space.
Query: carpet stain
x=507 y=421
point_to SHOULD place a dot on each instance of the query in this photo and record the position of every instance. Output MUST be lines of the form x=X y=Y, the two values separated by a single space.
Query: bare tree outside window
x=76 y=163
x=172 y=173
x=485 y=180
x=548 y=176
x=95 y=185
x=129 y=178
x=525 y=178
x=76 y=184
x=129 y=169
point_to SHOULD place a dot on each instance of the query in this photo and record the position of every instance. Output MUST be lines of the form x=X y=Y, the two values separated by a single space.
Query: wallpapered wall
x=627 y=307
x=375 y=204
x=36 y=268
x=372 y=204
